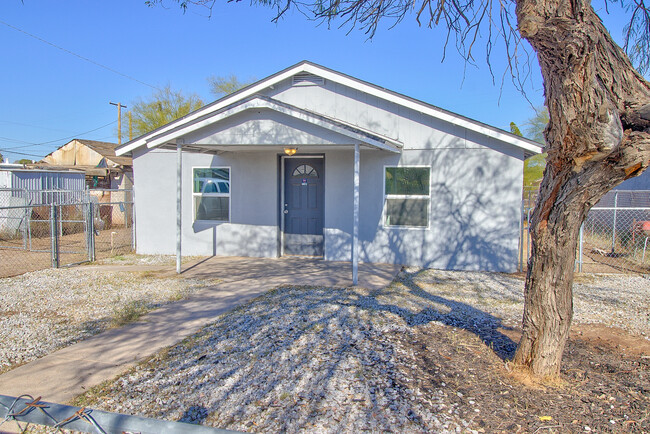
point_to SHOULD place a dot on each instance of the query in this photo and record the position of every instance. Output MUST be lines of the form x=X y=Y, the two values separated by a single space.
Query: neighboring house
x=641 y=182
x=313 y=162
x=631 y=193
x=104 y=171
x=97 y=159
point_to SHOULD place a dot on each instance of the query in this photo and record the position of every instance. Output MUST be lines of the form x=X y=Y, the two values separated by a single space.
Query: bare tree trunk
x=598 y=135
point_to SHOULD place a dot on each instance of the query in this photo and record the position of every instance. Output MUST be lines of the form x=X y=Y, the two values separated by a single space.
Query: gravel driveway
x=330 y=359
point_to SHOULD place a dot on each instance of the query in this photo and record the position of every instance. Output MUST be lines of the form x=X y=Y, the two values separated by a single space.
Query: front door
x=304 y=199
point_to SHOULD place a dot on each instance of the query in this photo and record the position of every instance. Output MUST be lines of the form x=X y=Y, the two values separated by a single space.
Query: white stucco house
x=310 y=161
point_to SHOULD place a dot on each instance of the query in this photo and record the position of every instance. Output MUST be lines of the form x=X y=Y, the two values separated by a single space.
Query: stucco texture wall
x=475 y=197
x=474 y=210
x=253 y=228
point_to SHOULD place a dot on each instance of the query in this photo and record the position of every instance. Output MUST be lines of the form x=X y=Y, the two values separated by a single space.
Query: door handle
x=286 y=211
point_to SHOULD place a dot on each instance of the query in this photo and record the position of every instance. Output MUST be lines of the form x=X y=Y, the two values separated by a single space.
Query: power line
x=8 y=139
x=30 y=125
x=78 y=55
x=29 y=144
x=19 y=153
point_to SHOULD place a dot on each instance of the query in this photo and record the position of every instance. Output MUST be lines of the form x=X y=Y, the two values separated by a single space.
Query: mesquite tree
x=598 y=135
x=599 y=120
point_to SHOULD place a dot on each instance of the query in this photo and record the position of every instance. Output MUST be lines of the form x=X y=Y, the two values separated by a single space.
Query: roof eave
x=335 y=76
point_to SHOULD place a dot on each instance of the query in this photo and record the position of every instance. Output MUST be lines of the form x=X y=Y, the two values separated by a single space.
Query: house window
x=407 y=195
x=211 y=193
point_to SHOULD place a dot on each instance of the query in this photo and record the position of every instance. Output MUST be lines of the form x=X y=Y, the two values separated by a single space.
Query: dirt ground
x=595 y=260
x=605 y=383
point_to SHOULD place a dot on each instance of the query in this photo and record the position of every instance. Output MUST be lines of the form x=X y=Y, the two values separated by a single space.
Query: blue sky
x=49 y=95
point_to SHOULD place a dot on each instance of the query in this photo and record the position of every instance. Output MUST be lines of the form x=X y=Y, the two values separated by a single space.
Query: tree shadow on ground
x=451 y=313
x=303 y=358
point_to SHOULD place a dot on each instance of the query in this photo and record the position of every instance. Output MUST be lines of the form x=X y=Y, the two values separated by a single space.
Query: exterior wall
x=5 y=179
x=474 y=211
x=36 y=181
x=476 y=186
x=253 y=226
x=122 y=181
x=414 y=129
x=474 y=208
x=265 y=127
x=74 y=153
x=641 y=182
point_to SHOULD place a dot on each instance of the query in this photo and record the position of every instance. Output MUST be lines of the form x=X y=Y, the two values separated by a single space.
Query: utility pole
x=119 y=120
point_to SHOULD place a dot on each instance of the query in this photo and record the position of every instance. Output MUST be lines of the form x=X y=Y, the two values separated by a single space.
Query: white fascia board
x=428 y=110
x=259 y=103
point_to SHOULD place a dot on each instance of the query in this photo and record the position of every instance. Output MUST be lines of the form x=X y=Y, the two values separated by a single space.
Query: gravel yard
x=43 y=311
x=426 y=354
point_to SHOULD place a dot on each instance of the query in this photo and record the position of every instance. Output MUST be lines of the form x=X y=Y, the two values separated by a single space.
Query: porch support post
x=179 y=201
x=355 y=227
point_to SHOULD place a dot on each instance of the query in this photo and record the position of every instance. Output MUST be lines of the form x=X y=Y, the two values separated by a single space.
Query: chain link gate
x=42 y=229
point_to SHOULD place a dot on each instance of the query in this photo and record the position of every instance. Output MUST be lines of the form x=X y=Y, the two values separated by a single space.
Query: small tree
x=536 y=125
x=162 y=107
x=514 y=129
x=534 y=166
x=225 y=85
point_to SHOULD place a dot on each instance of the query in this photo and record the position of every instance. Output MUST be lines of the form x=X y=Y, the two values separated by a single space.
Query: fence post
x=60 y=220
x=91 y=232
x=26 y=219
x=580 y=249
x=614 y=225
x=54 y=233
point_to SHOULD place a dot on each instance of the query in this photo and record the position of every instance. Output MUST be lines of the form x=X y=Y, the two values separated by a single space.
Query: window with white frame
x=211 y=193
x=407 y=195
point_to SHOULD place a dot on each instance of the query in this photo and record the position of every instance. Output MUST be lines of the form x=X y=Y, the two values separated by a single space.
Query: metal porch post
x=179 y=184
x=355 y=228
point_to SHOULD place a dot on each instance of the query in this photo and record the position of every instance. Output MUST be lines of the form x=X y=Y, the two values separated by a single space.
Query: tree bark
x=597 y=136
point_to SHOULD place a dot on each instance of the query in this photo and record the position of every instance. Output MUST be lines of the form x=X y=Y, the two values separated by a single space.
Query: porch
x=271 y=272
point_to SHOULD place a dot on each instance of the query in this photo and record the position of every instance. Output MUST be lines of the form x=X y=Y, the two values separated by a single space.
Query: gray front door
x=304 y=199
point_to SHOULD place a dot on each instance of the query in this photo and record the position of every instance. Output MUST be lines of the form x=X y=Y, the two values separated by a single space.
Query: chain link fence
x=41 y=229
x=28 y=414
x=614 y=237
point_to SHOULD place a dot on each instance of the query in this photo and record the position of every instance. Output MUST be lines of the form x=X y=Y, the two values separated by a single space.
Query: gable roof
x=169 y=131
x=265 y=102
x=105 y=149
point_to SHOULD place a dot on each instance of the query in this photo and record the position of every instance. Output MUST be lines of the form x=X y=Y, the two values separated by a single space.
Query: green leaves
x=162 y=107
x=221 y=85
